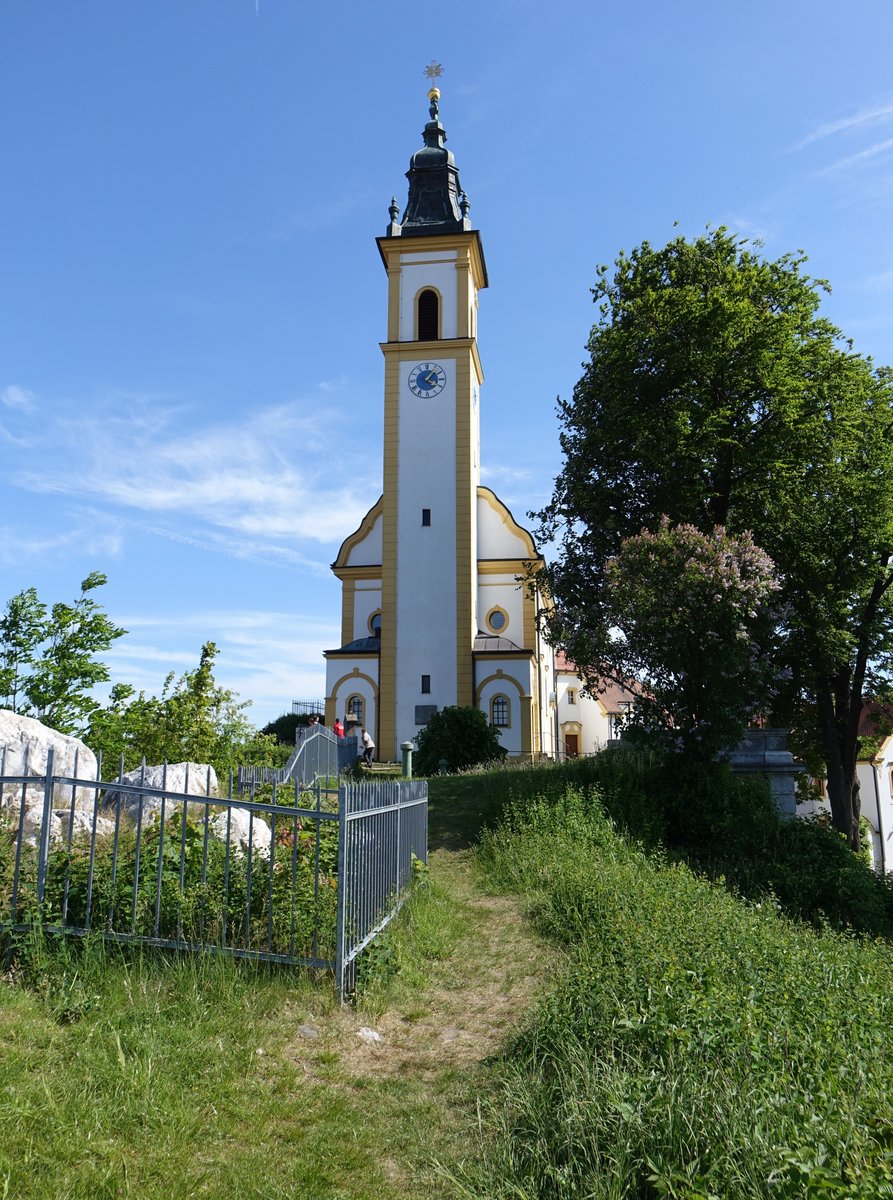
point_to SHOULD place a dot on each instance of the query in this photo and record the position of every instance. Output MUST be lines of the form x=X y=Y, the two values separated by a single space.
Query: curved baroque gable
x=362 y=548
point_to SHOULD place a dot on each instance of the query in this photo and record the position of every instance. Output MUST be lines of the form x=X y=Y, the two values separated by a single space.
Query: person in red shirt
x=338 y=728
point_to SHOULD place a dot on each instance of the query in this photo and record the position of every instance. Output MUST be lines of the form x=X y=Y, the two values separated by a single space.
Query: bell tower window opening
x=500 y=712
x=355 y=708
x=428 y=316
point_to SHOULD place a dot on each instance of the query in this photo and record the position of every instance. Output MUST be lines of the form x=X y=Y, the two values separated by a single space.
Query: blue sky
x=191 y=299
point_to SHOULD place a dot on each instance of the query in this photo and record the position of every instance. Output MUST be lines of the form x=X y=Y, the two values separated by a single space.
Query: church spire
x=436 y=201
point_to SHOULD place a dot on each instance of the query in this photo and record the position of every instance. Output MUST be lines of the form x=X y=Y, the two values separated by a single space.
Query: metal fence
x=300 y=877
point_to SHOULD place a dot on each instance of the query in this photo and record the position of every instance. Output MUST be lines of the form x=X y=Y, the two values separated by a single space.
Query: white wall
x=495 y=538
x=367 y=553
x=503 y=592
x=435 y=269
x=426 y=556
x=513 y=684
x=366 y=601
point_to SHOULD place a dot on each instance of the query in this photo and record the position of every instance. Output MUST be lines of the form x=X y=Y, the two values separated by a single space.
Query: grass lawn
x=152 y=1076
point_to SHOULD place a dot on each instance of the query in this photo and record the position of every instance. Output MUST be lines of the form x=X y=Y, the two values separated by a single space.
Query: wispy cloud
x=851 y=160
x=253 y=489
x=18 y=544
x=14 y=396
x=858 y=120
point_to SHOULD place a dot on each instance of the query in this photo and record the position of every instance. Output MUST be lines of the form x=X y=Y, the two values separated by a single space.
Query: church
x=436 y=607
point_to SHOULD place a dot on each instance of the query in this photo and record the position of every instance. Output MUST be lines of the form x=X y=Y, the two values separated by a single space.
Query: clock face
x=427 y=379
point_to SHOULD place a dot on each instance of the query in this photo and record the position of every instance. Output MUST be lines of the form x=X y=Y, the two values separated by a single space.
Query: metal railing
x=306 y=878
x=318 y=754
x=382 y=835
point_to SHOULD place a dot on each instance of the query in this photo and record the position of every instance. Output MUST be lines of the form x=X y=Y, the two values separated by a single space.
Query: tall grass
x=699 y=1046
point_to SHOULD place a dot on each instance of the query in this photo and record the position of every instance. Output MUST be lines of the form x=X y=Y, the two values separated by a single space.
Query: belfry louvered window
x=429 y=312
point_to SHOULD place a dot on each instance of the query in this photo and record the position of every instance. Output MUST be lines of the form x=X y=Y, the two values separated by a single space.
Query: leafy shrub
x=462 y=736
x=179 y=884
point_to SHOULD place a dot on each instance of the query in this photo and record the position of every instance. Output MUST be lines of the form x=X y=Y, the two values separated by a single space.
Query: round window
x=497 y=619
x=375 y=624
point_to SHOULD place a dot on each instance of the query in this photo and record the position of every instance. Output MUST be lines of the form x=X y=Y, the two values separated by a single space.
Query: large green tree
x=716 y=393
x=49 y=660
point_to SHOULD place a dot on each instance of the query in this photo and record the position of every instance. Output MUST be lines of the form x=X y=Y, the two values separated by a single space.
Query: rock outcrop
x=24 y=744
x=189 y=778
x=239 y=824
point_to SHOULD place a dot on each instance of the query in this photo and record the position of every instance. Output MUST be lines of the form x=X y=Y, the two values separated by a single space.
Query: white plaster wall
x=495 y=538
x=518 y=672
x=875 y=784
x=588 y=712
x=367 y=553
x=502 y=591
x=342 y=684
x=437 y=270
x=426 y=557
x=366 y=600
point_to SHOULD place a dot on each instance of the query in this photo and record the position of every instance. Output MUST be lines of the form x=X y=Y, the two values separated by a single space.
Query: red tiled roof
x=612 y=695
x=875 y=719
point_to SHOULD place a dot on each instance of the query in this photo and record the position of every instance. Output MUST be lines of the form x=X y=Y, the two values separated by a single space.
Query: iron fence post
x=43 y=853
x=341 y=893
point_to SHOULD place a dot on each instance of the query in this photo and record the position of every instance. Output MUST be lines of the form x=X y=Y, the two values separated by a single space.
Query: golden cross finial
x=433 y=70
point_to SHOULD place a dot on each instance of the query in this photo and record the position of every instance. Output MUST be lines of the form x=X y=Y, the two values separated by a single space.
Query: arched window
x=356 y=709
x=428 y=313
x=500 y=712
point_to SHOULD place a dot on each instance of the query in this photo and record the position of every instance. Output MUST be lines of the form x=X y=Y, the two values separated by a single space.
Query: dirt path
x=426 y=1065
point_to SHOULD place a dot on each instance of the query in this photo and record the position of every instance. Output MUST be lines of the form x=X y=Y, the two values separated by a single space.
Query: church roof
x=436 y=201
x=487 y=643
x=366 y=645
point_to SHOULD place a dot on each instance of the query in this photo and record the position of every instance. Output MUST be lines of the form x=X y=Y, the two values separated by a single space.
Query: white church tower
x=433 y=610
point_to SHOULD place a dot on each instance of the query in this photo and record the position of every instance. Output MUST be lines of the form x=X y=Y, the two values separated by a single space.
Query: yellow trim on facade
x=353 y=676
x=463 y=294
x=348 y=595
x=529 y=612
x=386 y=738
x=390 y=249
x=447 y=347
x=373 y=571
x=395 y=276
x=466 y=528
x=479 y=691
x=427 y=287
x=359 y=534
x=514 y=567
x=526 y=725
x=330 y=711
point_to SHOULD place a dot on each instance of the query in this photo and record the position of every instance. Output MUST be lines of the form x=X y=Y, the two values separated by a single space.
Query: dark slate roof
x=364 y=645
x=436 y=201
x=488 y=642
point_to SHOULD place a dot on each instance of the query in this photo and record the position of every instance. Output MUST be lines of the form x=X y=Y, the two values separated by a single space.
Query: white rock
x=81 y=826
x=370 y=1036
x=24 y=740
x=240 y=820
x=193 y=779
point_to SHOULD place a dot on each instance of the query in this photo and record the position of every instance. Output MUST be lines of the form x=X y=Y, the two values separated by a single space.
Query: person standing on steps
x=368 y=747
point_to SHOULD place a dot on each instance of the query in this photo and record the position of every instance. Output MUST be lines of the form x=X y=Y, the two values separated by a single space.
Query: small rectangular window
x=426 y=516
x=571 y=696
x=426 y=684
